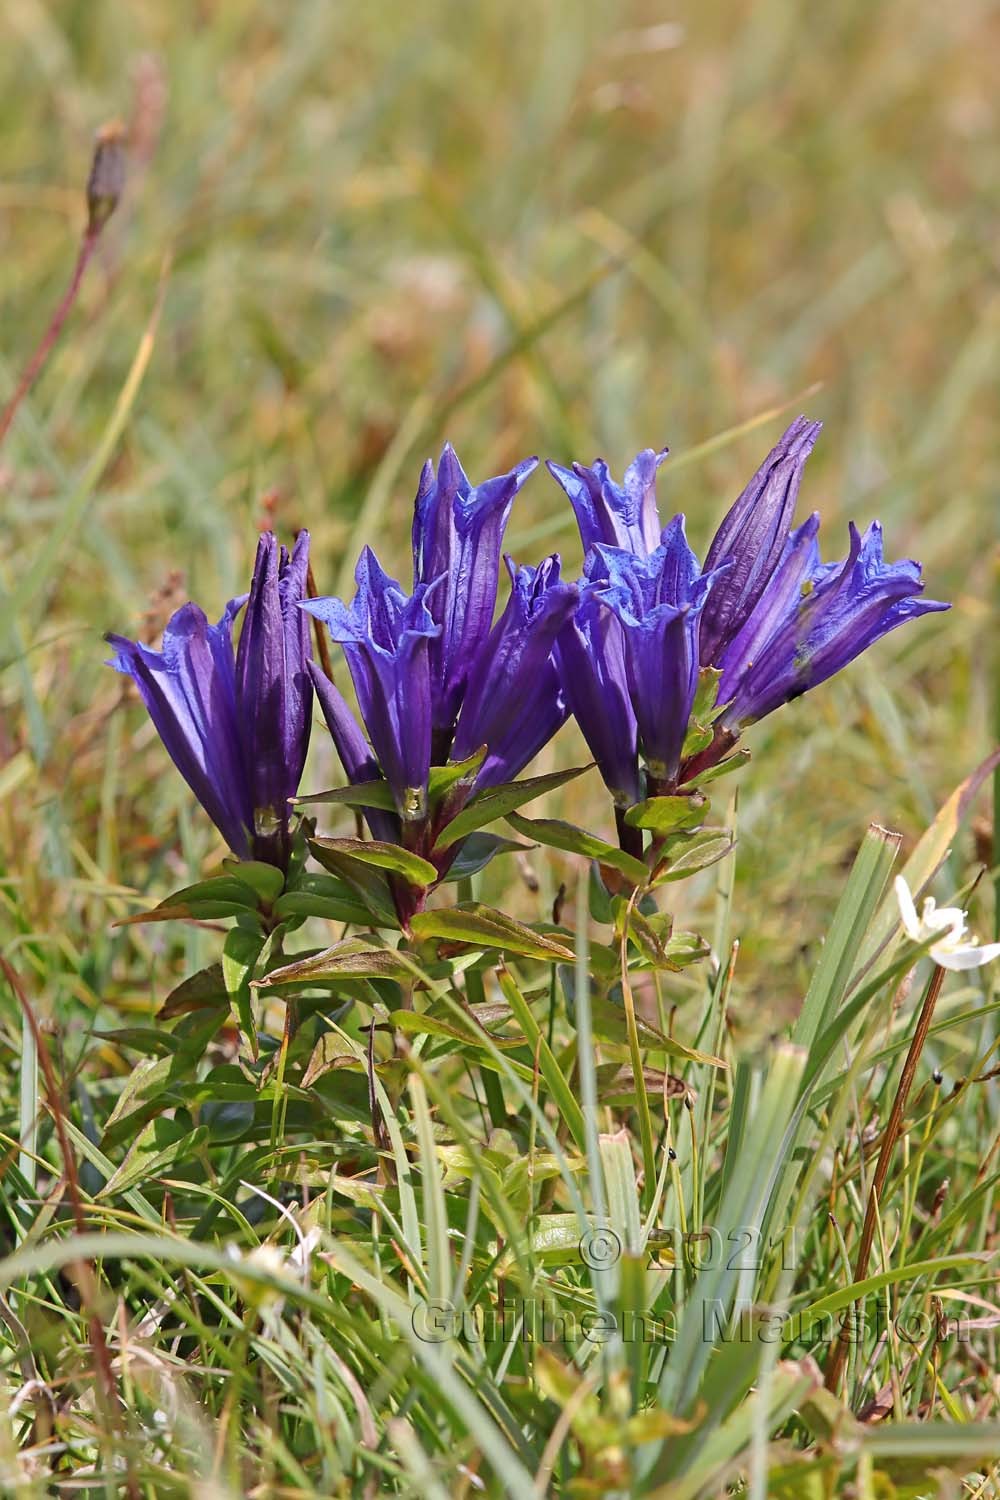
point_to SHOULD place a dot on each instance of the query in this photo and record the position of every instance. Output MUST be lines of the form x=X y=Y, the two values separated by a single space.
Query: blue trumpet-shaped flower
x=592 y=661
x=510 y=702
x=617 y=515
x=813 y=619
x=513 y=702
x=236 y=725
x=386 y=635
x=658 y=600
x=752 y=538
x=458 y=532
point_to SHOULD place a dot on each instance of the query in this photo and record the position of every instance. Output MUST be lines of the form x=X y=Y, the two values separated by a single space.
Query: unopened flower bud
x=107 y=176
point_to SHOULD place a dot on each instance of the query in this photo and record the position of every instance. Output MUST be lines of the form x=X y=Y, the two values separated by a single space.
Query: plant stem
x=41 y=354
x=838 y=1351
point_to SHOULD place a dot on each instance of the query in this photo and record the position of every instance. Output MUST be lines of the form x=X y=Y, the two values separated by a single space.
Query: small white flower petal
x=907 y=910
x=972 y=956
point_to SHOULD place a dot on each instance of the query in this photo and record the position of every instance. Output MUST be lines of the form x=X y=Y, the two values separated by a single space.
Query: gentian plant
x=663 y=662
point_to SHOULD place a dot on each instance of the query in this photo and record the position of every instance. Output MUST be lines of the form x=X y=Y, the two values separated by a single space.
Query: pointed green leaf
x=482 y=927
x=352 y=957
x=501 y=800
x=559 y=835
x=222 y=896
x=478 y=850
x=663 y=815
x=367 y=882
x=384 y=856
x=200 y=991
x=608 y=1023
x=239 y=955
x=364 y=794
x=323 y=896
x=445 y=778
x=689 y=853
x=266 y=881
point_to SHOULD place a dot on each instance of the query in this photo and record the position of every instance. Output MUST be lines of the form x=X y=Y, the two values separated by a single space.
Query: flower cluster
x=764 y=614
x=662 y=661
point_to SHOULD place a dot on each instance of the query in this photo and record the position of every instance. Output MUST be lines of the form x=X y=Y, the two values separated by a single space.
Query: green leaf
x=483 y=927
x=222 y=896
x=352 y=957
x=323 y=896
x=687 y=853
x=142 y=1162
x=559 y=835
x=698 y=738
x=200 y=991
x=663 y=815
x=376 y=794
x=145 y=1039
x=477 y=851
x=366 y=882
x=845 y=1295
x=501 y=800
x=266 y=881
x=706 y=707
x=384 y=856
x=443 y=779
x=609 y=1024
x=239 y=955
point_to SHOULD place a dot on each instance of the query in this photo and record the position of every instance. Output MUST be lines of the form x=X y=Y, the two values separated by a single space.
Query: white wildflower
x=952 y=947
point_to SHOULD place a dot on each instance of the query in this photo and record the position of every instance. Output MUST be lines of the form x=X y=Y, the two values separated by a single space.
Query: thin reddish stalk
x=53 y=331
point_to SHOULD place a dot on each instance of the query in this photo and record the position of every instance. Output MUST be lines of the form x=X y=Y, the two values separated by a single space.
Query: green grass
x=358 y=231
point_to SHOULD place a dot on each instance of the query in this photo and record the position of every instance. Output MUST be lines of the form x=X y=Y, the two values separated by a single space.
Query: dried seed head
x=107 y=175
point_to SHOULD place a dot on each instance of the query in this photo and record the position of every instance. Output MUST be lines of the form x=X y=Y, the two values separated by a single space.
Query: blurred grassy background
x=557 y=228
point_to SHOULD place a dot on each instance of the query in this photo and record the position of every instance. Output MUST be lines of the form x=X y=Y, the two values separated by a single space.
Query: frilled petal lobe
x=457 y=536
x=814 y=618
x=386 y=636
x=189 y=689
x=659 y=601
x=353 y=749
x=513 y=703
x=610 y=514
x=273 y=688
x=752 y=538
x=591 y=656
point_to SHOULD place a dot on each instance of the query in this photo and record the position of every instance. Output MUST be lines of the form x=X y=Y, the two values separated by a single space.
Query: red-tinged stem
x=629 y=838
x=838 y=1352
x=53 y=331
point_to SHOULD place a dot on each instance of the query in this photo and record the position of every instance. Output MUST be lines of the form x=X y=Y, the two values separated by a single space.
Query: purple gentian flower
x=386 y=635
x=513 y=703
x=658 y=600
x=236 y=726
x=752 y=538
x=813 y=619
x=616 y=515
x=592 y=660
x=457 y=536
